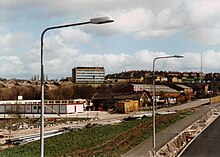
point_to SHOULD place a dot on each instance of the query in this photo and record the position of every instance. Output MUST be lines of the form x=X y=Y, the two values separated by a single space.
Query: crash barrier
x=182 y=140
x=214 y=99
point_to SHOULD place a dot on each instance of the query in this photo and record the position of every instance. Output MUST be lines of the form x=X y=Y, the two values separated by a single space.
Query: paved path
x=142 y=150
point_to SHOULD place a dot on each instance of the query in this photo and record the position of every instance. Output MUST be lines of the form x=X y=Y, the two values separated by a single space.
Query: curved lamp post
x=100 y=20
x=154 y=98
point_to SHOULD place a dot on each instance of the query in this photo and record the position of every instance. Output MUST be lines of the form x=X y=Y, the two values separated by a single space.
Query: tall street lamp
x=100 y=20
x=154 y=99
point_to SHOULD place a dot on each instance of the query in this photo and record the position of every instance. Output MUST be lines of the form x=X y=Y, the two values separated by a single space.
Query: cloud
x=202 y=11
x=23 y=21
x=63 y=43
x=203 y=21
x=75 y=36
x=64 y=59
x=211 y=60
x=141 y=60
x=132 y=20
x=154 y=19
x=19 y=54
x=11 y=66
x=143 y=23
x=12 y=43
x=207 y=36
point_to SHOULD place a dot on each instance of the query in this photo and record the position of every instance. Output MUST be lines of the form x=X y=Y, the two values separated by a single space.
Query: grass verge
x=109 y=140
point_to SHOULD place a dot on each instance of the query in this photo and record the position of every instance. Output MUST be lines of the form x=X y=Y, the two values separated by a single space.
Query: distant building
x=137 y=80
x=187 y=90
x=161 y=79
x=176 y=80
x=104 y=101
x=88 y=74
x=161 y=90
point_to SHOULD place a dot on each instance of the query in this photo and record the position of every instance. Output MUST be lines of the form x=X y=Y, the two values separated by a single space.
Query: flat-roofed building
x=88 y=74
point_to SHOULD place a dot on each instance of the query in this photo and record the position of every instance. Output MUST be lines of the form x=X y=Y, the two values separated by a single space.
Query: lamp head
x=178 y=56
x=101 y=20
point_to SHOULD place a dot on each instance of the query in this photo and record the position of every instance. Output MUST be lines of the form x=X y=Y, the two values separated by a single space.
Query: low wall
x=214 y=99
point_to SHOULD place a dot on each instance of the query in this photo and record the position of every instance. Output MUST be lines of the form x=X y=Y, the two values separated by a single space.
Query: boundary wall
x=214 y=99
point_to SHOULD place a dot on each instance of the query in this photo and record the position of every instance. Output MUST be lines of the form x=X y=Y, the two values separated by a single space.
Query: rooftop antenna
x=201 y=72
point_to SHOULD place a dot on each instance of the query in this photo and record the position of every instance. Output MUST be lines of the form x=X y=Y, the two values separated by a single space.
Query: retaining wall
x=214 y=99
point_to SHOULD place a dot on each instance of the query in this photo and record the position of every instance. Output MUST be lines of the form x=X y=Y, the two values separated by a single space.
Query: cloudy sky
x=142 y=30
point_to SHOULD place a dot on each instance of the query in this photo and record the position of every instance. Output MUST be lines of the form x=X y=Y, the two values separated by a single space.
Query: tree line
x=58 y=93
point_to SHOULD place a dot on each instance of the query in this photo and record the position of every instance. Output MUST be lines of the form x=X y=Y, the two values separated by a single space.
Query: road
x=191 y=104
x=207 y=144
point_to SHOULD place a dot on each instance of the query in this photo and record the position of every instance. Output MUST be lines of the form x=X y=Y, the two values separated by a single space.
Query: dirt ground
x=95 y=116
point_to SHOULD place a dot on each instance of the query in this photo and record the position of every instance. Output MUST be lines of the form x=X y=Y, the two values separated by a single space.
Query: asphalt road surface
x=207 y=144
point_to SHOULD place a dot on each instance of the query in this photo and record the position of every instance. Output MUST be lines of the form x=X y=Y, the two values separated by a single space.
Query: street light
x=101 y=20
x=154 y=98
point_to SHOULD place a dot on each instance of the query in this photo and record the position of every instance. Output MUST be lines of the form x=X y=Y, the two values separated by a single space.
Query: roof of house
x=101 y=96
x=11 y=82
x=2 y=85
x=110 y=96
x=130 y=96
x=150 y=88
x=50 y=86
x=183 y=86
